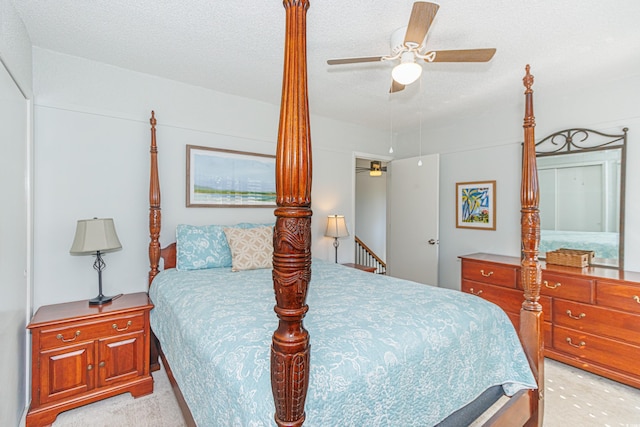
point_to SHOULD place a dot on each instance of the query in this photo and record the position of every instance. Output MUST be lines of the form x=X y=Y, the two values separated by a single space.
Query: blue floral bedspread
x=413 y=353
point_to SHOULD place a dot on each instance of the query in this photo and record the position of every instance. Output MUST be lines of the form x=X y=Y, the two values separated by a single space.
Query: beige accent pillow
x=251 y=248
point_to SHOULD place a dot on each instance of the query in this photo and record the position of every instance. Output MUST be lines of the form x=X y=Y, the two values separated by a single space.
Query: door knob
x=433 y=241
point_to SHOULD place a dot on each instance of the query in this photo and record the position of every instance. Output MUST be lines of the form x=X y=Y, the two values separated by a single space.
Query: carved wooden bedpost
x=531 y=325
x=154 y=205
x=292 y=235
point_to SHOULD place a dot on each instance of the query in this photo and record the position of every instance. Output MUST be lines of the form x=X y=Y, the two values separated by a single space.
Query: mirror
x=581 y=176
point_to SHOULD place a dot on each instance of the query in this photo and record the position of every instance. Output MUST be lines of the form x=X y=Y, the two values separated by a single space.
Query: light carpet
x=573 y=398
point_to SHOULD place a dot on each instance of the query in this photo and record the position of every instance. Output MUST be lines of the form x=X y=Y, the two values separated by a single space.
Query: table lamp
x=96 y=236
x=336 y=228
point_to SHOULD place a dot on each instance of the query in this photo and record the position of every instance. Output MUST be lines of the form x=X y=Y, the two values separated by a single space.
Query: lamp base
x=99 y=300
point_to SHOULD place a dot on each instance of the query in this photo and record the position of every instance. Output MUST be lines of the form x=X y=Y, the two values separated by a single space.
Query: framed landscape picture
x=227 y=178
x=476 y=205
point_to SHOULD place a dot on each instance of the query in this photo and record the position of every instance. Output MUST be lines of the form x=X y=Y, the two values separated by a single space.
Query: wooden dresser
x=82 y=353
x=591 y=315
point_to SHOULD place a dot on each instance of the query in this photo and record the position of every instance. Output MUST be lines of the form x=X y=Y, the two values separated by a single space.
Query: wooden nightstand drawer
x=597 y=349
x=493 y=274
x=622 y=297
x=596 y=320
x=567 y=287
x=83 y=331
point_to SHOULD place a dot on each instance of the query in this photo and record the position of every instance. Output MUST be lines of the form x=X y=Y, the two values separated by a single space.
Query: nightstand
x=361 y=267
x=82 y=353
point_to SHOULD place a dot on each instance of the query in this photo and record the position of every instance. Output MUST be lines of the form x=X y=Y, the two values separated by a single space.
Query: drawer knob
x=636 y=298
x=115 y=326
x=578 y=317
x=486 y=274
x=61 y=338
x=101 y=364
x=554 y=286
x=89 y=367
x=579 y=345
x=475 y=293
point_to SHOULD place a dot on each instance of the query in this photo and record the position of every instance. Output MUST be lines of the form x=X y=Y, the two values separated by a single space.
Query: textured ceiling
x=237 y=47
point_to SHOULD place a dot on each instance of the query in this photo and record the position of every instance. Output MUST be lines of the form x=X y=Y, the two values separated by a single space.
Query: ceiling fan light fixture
x=376 y=168
x=408 y=71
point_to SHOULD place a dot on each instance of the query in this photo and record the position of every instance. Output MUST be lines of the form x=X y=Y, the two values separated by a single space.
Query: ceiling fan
x=375 y=169
x=407 y=46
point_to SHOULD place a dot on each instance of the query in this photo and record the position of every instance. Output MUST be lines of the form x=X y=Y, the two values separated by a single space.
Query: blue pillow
x=204 y=246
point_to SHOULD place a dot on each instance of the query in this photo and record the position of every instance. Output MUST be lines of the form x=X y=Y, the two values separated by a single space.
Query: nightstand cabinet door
x=66 y=371
x=120 y=358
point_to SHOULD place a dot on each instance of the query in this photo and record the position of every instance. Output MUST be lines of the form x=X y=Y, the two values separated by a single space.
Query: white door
x=412 y=234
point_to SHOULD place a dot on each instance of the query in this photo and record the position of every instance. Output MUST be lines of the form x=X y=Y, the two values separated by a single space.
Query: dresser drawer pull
x=89 y=367
x=636 y=298
x=115 y=326
x=61 y=338
x=101 y=364
x=475 y=293
x=489 y=274
x=579 y=345
x=578 y=317
x=547 y=285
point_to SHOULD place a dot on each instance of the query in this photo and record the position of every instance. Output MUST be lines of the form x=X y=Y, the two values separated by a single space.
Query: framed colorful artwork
x=476 y=205
x=219 y=178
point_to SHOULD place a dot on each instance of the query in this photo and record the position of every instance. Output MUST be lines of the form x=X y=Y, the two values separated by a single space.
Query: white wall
x=495 y=135
x=91 y=159
x=15 y=214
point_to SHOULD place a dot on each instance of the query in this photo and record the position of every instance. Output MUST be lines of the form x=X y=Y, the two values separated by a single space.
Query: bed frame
x=290 y=348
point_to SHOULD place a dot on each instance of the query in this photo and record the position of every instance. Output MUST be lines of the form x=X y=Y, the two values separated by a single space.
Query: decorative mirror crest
x=582 y=186
x=572 y=140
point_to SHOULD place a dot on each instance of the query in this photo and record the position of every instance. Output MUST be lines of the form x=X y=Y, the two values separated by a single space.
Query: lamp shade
x=336 y=227
x=93 y=235
x=376 y=168
x=407 y=71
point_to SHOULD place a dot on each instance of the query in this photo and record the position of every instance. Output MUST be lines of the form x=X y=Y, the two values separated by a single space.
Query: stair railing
x=365 y=256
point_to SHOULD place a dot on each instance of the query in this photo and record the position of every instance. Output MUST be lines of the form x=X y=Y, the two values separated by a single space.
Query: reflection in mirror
x=581 y=180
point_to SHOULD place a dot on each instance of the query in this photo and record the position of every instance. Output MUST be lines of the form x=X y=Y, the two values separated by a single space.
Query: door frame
x=366 y=156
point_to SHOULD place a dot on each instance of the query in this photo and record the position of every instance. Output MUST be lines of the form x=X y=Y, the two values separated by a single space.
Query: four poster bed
x=385 y=351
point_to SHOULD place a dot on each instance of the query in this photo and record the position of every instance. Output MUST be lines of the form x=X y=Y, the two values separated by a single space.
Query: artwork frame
x=476 y=205
x=220 y=178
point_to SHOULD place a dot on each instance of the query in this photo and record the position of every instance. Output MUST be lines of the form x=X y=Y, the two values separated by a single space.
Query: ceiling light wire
x=390 y=127
x=420 y=126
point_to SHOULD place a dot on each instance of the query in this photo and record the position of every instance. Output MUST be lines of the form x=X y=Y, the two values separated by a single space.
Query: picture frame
x=219 y=178
x=476 y=205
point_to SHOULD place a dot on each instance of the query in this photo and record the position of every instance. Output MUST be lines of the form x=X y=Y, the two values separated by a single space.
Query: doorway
x=370 y=225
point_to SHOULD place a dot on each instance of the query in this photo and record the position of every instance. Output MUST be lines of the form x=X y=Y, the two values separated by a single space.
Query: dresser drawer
x=81 y=331
x=597 y=320
x=567 y=287
x=622 y=297
x=501 y=275
x=603 y=351
x=510 y=300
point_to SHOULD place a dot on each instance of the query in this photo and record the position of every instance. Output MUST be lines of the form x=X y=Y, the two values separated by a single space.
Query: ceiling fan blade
x=354 y=60
x=395 y=87
x=463 y=55
x=420 y=21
